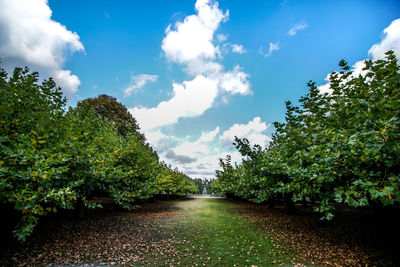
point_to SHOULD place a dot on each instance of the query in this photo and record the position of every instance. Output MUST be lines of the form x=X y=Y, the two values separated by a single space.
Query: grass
x=209 y=232
x=212 y=233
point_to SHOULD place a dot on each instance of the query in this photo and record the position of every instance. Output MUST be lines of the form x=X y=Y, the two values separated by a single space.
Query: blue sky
x=195 y=74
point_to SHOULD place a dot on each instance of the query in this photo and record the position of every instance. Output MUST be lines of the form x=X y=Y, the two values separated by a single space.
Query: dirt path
x=195 y=232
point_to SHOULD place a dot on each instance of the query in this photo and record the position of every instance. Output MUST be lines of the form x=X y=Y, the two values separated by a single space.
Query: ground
x=202 y=232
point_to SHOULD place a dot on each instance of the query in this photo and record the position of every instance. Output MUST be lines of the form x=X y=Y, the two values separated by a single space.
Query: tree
x=116 y=113
x=53 y=159
x=32 y=156
x=172 y=182
x=339 y=147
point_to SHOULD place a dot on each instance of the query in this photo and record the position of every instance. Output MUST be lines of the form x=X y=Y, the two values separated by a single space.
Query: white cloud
x=236 y=48
x=190 y=149
x=254 y=131
x=205 y=166
x=161 y=142
x=325 y=88
x=199 y=147
x=190 y=43
x=298 y=27
x=235 y=82
x=208 y=136
x=139 y=81
x=390 y=41
x=66 y=80
x=222 y=37
x=192 y=38
x=272 y=47
x=190 y=99
x=29 y=36
x=208 y=68
x=200 y=158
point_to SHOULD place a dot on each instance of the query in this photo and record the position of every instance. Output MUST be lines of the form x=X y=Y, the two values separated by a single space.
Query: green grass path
x=211 y=232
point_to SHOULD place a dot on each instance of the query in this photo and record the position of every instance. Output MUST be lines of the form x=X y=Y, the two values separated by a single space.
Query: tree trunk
x=290 y=208
x=80 y=208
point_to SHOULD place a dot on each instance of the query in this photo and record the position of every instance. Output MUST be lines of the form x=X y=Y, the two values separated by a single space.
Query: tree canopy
x=116 y=113
x=53 y=157
x=337 y=147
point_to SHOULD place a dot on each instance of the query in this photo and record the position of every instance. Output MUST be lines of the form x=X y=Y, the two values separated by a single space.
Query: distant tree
x=199 y=183
x=108 y=107
x=174 y=182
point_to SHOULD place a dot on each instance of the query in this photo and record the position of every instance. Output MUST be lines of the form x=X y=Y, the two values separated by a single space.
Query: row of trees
x=55 y=158
x=337 y=147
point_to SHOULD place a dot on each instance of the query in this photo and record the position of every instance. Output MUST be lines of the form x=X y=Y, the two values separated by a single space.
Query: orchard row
x=54 y=158
x=342 y=146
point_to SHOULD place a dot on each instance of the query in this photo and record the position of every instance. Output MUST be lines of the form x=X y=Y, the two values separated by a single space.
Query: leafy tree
x=108 y=107
x=134 y=172
x=173 y=182
x=90 y=142
x=31 y=127
x=52 y=158
x=340 y=147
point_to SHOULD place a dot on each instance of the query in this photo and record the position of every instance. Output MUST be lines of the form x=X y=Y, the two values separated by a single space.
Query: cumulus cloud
x=191 y=149
x=190 y=99
x=199 y=147
x=206 y=165
x=325 y=88
x=179 y=158
x=235 y=82
x=272 y=47
x=139 y=81
x=161 y=142
x=29 y=36
x=254 y=131
x=298 y=27
x=192 y=38
x=200 y=157
x=196 y=158
x=222 y=37
x=207 y=137
x=237 y=48
x=390 y=41
x=190 y=43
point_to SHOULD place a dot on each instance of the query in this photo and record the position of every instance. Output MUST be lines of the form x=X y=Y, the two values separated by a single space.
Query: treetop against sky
x=196 y=74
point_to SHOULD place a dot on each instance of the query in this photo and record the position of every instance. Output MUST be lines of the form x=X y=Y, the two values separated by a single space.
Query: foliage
x=108 y=107
x=173 y=182
x=338 y=147
x=52 y=158
x=31 y=167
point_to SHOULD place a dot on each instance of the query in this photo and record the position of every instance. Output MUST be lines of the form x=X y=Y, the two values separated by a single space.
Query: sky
x=195 y=74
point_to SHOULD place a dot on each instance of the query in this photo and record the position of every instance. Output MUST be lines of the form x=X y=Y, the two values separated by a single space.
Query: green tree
x=32 y=157
x=339 y=147
x=108 y=107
